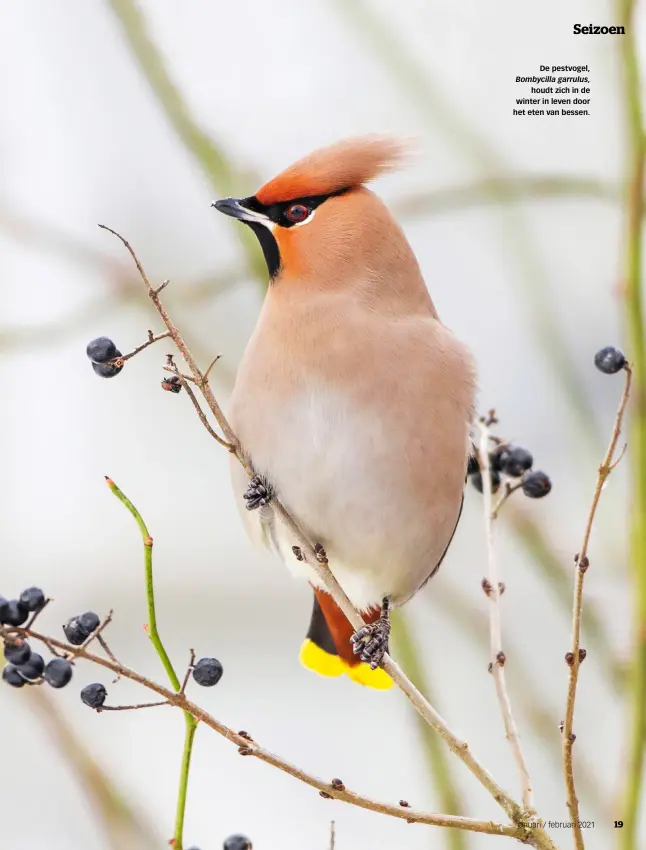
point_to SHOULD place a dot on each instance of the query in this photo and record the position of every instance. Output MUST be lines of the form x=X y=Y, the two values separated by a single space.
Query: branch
x=536 y=834
x=493 y=591
x=249 y=747
x=576 y=654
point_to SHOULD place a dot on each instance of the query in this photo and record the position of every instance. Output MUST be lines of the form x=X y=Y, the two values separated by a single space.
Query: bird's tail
x=327 y=649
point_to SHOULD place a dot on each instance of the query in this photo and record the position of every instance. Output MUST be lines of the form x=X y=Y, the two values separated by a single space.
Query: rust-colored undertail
x=327 y=649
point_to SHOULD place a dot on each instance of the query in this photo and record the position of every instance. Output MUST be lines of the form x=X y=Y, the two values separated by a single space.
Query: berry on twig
x=536 y=484
x=207 y=672
x=58 y=673
x=102 y=349
x=94 y=695
x=33 y=599
x=609 y=360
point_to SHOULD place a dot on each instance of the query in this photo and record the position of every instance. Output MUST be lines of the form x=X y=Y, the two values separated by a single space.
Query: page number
x=618 y=824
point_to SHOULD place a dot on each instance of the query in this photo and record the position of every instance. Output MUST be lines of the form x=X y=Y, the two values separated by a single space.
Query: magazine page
x=323 y=367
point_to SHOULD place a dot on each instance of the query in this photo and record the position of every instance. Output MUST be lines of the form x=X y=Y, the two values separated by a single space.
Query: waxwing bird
x=353 y=401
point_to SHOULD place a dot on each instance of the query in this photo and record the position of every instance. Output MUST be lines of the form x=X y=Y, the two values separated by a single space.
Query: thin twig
x=151 y=339
x=189 y=670
x=579 y=575
x=508 y=490
x=495 y=628
x=536 y=835
x=251 y=748
x=132 y=707
x=189 y=392
x=332 y=835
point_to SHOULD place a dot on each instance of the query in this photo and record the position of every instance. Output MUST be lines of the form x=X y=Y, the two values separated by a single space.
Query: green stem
x=436 y=760
x=191 y=726
x=155 y=639
x=634 y=321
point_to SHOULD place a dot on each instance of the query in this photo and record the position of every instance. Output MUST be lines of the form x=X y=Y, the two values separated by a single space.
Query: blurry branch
x=538 y=544
x=155 y=639
x=123 y=825
x=440 y=771
x=220 y=170
x=248 y=747
x=50 y=238
x=439 y=113
x=535 y=834
x=493 y=590
x=576 y=655
x=473 y=623
x=501 y=190
x=633 y=294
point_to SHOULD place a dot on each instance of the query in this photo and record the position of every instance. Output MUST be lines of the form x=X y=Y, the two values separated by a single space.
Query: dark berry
x=517 y=461
x=58 y=673
x=75 y=632
x=476 y=480
x=498 y=457
x=33 y=598
x=107 y=370
x=101 y=350
x=15 y=613
x=237 y=842
x=33 y=669
x=536 y=485
x=94 y=695
x=4 y=605
x=473 y=466
x=12 y=677
x=207 y=672
x=609 y=360
x=17 y=653
x=89 y=621
x=172 y=384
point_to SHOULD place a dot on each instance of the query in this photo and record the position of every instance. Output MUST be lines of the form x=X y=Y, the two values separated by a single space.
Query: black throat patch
x=278 y=214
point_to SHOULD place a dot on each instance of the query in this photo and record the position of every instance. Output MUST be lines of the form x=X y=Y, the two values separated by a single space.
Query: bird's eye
x=297 y=212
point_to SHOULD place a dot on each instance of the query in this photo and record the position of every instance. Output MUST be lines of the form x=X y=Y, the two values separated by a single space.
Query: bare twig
x=151 y=339
x=574 y=663
x=251 y=748
x=495 y=626
x=189 y=670
x=132 y=707
x=507 y=491
x=198 y=408
x=332 y=835
x=536 y=835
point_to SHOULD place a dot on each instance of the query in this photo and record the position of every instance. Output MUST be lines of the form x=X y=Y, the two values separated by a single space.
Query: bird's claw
x=258 y=493
x=371 y=641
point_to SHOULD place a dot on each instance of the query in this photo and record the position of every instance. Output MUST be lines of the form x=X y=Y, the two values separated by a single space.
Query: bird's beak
x=234 y=208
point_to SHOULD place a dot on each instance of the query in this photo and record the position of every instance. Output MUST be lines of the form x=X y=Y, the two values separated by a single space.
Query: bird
x=352 y=402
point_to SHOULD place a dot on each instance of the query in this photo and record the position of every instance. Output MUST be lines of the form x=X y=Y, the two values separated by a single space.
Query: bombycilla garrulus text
x=353 y=401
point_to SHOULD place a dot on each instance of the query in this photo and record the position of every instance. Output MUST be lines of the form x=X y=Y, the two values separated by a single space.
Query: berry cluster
x=24 y=666
x=513 y=462
x=102 y=352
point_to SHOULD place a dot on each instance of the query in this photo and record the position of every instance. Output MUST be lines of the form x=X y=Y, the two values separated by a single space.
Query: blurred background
x=138 y=115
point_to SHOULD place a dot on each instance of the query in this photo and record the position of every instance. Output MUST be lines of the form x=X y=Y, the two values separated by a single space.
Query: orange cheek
x=290 y=257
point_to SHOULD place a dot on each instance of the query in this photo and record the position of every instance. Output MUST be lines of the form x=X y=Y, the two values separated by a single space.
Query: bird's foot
x=371 y=641
x=321 y=554
x=258 y=493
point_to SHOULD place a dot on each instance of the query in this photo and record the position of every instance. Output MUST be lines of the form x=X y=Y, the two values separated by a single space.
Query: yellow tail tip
x=326 y=664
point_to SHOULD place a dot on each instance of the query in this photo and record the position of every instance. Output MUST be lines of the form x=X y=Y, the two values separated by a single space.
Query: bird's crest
x=343 y=165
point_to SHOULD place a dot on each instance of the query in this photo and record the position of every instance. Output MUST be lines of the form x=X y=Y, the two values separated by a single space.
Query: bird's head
x=316 y=218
